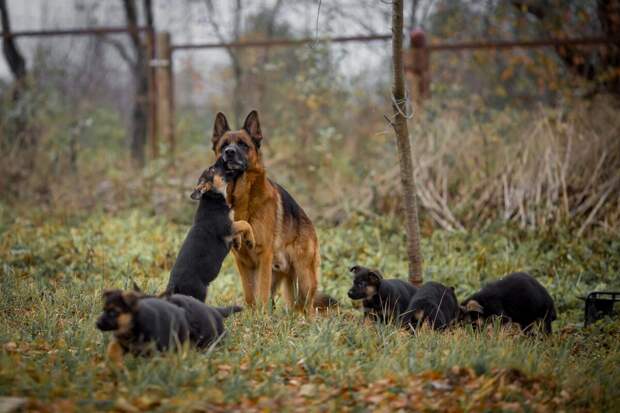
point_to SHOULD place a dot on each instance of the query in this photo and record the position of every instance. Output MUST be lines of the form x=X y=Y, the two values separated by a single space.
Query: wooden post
x=165 y=91
x=420 y=67
x=152 y=96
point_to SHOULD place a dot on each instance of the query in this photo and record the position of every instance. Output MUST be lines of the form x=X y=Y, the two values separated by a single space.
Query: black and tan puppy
x=141 y=325
x=206 y=323
x=383 y=300
x=517 y=298
x=434 y=304
x=209 y=239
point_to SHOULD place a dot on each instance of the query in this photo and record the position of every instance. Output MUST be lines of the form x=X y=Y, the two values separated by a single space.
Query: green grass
x=54 y=267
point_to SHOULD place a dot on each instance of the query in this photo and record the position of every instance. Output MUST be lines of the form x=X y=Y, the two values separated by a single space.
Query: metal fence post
x=420 y=66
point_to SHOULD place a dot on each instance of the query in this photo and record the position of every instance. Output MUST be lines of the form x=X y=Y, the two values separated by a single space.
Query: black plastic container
x=600 y=304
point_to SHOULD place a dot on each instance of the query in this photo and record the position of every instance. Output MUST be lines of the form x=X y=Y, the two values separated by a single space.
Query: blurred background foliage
x=526 y=135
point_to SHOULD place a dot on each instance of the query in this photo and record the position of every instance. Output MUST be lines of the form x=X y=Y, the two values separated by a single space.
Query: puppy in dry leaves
x=210 y=238
x=141 y=324
x=384 y=300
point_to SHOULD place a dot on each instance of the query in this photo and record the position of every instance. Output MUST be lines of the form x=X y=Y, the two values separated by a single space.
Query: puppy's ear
x=220 y=127
x=110 y=294
x=252 y=127
x=355 y=269
x=473 y=306
x=131 y=299
x=375 y=277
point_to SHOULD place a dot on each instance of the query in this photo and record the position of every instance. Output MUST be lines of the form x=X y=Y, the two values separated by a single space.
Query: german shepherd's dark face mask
x=365 y=283
x=212 y=181
x=239 y=150
x=118 y=310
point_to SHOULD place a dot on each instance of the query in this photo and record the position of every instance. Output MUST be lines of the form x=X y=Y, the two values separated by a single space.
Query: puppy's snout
x=351 y=293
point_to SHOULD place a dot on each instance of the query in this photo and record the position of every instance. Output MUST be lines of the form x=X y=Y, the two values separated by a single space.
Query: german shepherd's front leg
x=264 y=275
x=242 y=230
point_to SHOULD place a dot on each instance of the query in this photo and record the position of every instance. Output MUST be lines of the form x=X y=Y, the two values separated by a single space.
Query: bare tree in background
x=139 y=65
x=399 y=123
x=233 y=54
x=13 y=56
x=17 y=65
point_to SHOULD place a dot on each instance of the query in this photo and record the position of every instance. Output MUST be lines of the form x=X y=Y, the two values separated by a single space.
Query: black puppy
x=209 y=239
x=141 y=325
x=383 y=300
x=206 y=323
x=518 y=297
x=435 y=304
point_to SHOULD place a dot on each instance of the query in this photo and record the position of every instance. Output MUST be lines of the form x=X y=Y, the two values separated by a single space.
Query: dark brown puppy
x=434 y=304
x=206 y=323
x=384 y=300
x=141 y=325
x=287 y=248
x=517 y=298
x=209 y=239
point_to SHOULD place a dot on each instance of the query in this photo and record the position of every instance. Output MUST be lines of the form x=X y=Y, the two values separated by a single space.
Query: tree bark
x=401 y=130
x=139 y=124
x=14 y=58
x=17 y=128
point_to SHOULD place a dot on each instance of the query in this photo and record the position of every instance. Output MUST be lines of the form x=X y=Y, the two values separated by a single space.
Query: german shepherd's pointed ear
x=252 y=127
x=220 y=127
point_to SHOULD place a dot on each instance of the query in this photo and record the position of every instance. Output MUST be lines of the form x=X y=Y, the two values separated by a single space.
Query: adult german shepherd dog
x=287 y=249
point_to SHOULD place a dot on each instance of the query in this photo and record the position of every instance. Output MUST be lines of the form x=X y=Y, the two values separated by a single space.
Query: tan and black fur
x=287 y=248
x=209 y=239
x=141 y=325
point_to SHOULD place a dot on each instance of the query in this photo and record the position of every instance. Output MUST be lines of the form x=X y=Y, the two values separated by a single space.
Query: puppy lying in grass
x=206 y=323
x=433 y=304
x=516 y=298
x=384 y=300
x=209 y=240
x=143 y=324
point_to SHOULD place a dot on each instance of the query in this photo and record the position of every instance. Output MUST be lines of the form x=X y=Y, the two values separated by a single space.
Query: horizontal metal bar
x=75 y=32
x=282 y=42
x=509 y=44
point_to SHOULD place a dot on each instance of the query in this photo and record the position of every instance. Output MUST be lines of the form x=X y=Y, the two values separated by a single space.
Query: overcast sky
x=187 y=22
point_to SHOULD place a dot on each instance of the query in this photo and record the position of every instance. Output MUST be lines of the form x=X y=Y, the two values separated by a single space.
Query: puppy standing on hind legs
x=209 y=239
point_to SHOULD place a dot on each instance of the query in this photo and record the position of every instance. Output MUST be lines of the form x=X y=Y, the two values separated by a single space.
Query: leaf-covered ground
x=55 y=265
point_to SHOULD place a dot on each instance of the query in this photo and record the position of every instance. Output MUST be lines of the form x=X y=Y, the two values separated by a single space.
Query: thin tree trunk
x=139 y=125
x=404 y=147
x=17 y=128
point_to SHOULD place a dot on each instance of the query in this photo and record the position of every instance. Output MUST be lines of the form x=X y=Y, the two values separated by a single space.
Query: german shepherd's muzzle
x=235 y=156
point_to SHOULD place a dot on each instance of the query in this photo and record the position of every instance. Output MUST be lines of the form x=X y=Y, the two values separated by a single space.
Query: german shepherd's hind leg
x=242 y=230
x=305 y=277
x=289 y=289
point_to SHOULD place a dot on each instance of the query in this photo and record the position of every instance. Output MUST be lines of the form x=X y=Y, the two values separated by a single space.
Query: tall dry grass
x=548 y=167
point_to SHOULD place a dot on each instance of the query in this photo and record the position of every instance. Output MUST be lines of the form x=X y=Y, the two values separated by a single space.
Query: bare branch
x=121 y=50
